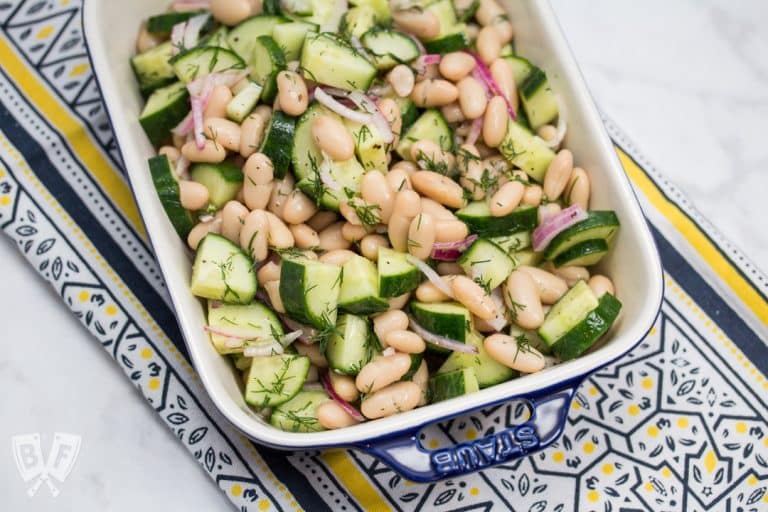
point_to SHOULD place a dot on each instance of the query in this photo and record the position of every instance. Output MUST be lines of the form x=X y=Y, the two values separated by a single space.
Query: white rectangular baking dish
x=111 y=29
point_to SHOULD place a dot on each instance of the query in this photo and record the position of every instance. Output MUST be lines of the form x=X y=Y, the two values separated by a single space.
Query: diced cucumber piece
x=167 y=188
x=326 y=15
x=348 y=174
x=290 y=37
x=409 y=113
x=383 y=12
x=416 y=360
x=447 y=319
x=165 y=108
x=216 y=38
x=431 y=125
x=477 y=216
x=310 y=291
x=152 y=68
x=163 y=23
x=486 y=263
x=241 y=362
x=583 y=254
x=396 y=275
x=521 y=69
x=452 y=384
x=390 y=47
x=529 y=337
x=538 y=99
x=300 y=413
x=488 y=371
x=271 y=7
x=349 y=348
x=360 y=287
x=330 y=60
x=584 y=334
x=199 y=62
x=526 y=257
x=222 y=180
x=452 y=36
x=357 y=21
x=222 y=271
x=273 y=380
x=599 y=224
x=306 y=155
x=242 y=38
x=268 y=61
x=527 y=151
x=445 y=12
x=448 y=43
x=278 y=141
x=370 y=147
x=254 y=321
x=570 y=310
x=514 y=242
x=298 y=7
x=244 y=102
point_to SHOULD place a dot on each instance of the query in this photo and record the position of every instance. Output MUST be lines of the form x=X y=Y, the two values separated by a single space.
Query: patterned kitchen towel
x=680 y=423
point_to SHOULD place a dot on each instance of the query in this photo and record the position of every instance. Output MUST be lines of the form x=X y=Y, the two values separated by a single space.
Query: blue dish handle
x=405 y=454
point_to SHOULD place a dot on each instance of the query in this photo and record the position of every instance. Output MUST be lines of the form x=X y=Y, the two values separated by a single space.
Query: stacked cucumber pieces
x=334 y=304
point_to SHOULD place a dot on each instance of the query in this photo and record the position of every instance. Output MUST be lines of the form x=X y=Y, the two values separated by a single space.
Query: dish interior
x=111 y=29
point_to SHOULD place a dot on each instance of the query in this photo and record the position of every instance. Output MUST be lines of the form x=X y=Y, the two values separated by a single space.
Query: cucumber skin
x=519 y=220
x=594 y=250
x=449 y=326
x=576 y=341
x=452 y=384
x=168 y=190
x=395 y=286
x=294 y=273
x=278 y=144
x=269 y=87
x=282 y=420
x=594 y=220
x=366 y=306
x=447 y=44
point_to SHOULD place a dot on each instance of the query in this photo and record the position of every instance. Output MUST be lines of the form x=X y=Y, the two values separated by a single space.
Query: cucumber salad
x=380 y=207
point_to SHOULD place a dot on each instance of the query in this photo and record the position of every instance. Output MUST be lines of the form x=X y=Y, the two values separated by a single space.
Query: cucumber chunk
x=447 y=319
x=514 y=242
x=601 y=224
x=396 y=275
x=409 y=113
x=222 y=180
x=299 y=414
x=348 y=174
x=328 y=59
x=431 y=125
x=452 y=384
x=163 y=23
x=152 y=68
x=538 y=99
x=273 y=380
x=449 y=43
x=569 y=311
x=477 y=216
x=360 y=287
x=390 y=47
x=310 y=291
x=349 y=348
x=267 y=61
x=584 y=334
x=222 y=271
x=254 y=320
x=370 y=147
x=488 y=371
x=167 y=188
x=381 y=7
x=202 y=61
x=165 y=108
x=527 y=151
x=486 y=263
x=278 y=142
x=242 y=38
x=357 y=21
x=583 y=254
x=244 y=102
x=290 y=37
x=521 y=69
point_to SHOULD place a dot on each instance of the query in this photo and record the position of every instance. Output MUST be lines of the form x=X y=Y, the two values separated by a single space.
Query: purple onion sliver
x=555 y=225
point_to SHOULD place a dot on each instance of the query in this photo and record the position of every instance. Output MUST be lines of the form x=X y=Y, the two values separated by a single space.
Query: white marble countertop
x=689 y=87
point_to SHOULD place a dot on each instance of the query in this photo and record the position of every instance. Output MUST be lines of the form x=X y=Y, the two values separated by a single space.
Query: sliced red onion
x=474 y=131
x=380 y=90
x=184 y=127
x=329 y=101
x=431 y=58
x=348 y=408
x=378 y=119
x=229 y=334
x=417 y=42
x=190 y=5
x=182 y=167
x=192 y=29
x=177 y=37
x=441 y=341
x=197 y=121
x=307 y=333
x=553 y=226
x=500 y=321
x=233 y=343
x=324 y=170
x=483 y=74
x=389 y=351
x=291 y=337
x=430 y=274
x=263 y=350
x=215 y=304
x=450 y=251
